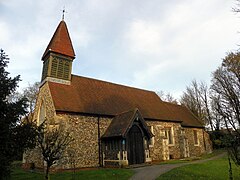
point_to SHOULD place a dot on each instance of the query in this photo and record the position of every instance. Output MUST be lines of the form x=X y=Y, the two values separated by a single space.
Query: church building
x=112 y=124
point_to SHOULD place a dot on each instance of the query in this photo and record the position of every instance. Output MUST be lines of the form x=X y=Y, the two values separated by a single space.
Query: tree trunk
x=47 y=172
x=230 y=168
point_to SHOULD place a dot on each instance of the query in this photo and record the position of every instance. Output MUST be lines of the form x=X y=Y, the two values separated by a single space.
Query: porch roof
x=121 y=124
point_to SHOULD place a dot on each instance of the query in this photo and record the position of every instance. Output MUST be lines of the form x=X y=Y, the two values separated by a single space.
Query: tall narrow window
x=45 y=69
x=195 y=135
x=151 y=141
x=66 y=70
x=54 y=67
x=169 y=135
x=42 y=114
x=60 y=69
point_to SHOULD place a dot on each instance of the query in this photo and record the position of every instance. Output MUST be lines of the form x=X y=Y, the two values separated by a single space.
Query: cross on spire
x=63 y=12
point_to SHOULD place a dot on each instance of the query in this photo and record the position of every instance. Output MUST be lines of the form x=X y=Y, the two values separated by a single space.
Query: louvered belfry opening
x=58 y=56
x=60 y=68
x=45 y=69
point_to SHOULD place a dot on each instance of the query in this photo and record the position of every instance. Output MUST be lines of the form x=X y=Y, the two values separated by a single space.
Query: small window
x=41 y=113
x=151 y=141
x=195 y=135
x=145 y=142
x=45 y=69
x=169 y=135
x=123 y=144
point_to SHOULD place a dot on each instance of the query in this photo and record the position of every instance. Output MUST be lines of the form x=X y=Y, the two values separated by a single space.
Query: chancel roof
x=91 y=96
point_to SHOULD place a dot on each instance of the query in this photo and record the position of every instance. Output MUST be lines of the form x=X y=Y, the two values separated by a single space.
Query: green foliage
x=217 y=139
x=12 y=138
x=217 y=143
x=214 y=169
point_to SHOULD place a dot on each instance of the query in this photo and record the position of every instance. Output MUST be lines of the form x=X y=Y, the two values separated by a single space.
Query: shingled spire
x=61 y=42
x=58 y=57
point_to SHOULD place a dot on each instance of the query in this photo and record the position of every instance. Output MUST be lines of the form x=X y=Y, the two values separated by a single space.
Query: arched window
x=41 y=113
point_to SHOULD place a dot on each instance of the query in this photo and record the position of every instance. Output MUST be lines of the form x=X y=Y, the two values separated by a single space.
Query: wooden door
x=135 y=146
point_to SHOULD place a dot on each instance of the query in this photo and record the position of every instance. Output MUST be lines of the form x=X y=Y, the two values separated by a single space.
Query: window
x=151 y=141
x=195 y=135
x=182 y=131
x=54 y=67
x=45 y=69
x=169 y=135
x=41 y=113
x=60 y=68
x=123 y=144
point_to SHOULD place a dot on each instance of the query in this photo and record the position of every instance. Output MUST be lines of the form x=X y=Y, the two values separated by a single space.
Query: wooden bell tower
x=58 y=57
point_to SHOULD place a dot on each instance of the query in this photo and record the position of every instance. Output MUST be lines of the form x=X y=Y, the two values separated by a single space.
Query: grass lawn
x=205 y=156
x=98 y=174
x=214 y=169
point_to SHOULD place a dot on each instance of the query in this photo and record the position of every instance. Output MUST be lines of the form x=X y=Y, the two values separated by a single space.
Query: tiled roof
x=121 y=123
x=184 y=115
x=60 y=42
x=86 y=95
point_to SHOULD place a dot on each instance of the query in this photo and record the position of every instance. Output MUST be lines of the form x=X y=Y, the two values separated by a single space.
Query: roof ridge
x=127 y=111
x=114 y=83
x=170 y=103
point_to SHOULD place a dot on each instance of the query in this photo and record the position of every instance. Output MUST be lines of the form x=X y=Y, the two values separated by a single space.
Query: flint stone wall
x=84 y=150
x=45 y=97
x=156 y=150
x=176 y=150
x=196 y=149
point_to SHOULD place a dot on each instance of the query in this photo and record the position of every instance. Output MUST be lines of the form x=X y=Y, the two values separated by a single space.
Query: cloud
x=156 y=45
x=144 y=37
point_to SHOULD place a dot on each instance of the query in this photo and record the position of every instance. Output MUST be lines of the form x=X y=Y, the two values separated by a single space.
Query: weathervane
x=63 y=11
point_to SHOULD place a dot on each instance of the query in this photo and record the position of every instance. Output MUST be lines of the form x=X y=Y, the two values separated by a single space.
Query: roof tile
x=91 y=96
x=60 y=42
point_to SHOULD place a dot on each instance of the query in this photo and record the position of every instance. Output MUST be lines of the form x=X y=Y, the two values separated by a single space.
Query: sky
x=156 y=45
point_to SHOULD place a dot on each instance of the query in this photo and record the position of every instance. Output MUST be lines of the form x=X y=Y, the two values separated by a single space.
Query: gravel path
x=154 y=171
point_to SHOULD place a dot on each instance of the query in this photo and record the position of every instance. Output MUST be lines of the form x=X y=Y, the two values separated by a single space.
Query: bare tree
x=52 y=142
x=217 y=119
x=30 y=93
x=236 y=9
x=167 y=97
x=196 y=99
x=226 y=89
x=226 y=86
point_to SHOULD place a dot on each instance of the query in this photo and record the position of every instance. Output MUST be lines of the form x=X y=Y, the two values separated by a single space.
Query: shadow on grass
x=19 y=174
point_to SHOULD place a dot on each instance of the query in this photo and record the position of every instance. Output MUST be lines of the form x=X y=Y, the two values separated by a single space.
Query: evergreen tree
x=10 y=115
